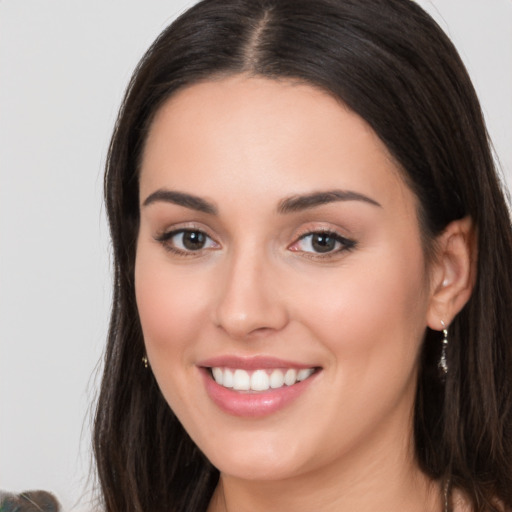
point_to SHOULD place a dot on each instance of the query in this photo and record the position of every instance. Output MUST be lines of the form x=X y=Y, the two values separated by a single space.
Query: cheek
x=371 y=319
x=171 y=310
x=371 y=313
x=169 y=304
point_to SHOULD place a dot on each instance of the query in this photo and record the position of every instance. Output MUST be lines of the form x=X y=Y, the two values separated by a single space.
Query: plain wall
x=64 y=65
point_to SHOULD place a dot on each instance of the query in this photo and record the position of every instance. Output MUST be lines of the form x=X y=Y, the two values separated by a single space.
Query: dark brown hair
x=390 y=63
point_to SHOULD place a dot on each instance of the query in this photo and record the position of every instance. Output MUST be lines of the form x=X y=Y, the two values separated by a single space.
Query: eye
x=322 y=243
x=186 y=241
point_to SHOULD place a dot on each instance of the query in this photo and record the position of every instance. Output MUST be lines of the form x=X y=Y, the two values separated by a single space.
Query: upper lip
x=251 y=363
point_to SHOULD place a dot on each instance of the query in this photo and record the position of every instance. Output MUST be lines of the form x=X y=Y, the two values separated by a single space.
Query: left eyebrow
x=304 y=202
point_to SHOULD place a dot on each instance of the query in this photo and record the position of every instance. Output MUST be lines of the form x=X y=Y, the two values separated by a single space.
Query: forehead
x=267 y=136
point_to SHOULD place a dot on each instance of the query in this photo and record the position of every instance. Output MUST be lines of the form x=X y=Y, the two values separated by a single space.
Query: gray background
x=63 y=67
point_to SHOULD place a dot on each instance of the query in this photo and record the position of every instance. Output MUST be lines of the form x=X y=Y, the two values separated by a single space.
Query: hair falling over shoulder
x=389 y=62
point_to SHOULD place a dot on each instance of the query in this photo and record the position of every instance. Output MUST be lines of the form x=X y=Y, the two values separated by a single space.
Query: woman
x=313 y=294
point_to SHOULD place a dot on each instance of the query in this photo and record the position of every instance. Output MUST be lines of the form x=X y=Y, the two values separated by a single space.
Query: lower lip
x=253 y=404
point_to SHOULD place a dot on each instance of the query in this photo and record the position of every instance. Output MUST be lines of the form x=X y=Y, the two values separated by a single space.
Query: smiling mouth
x=238 y=379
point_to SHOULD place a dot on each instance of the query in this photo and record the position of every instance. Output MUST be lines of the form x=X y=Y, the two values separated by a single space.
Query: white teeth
x=276 y=379
x=227 y=381
x=259 y=380
x=241 y=380
x=218 y=375
x=290 y=377
x=304 y=374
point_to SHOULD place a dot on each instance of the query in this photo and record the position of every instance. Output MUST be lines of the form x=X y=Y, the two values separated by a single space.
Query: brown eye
x=185 y=241
x=193 y=240
x=322 y=243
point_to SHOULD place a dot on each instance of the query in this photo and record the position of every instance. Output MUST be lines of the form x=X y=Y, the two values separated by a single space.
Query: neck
x=384 y=479
x=414 y=493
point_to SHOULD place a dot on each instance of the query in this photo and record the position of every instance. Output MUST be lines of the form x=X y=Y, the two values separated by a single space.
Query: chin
x=259 y=470
x=261 y=460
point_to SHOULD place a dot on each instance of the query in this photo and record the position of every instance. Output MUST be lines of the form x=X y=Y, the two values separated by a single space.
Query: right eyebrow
x=181 y=199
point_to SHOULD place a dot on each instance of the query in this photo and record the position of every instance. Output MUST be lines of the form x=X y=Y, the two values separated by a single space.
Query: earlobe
x=453 y=272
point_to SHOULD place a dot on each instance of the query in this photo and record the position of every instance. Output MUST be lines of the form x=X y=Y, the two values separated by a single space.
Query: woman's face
x=280 y=279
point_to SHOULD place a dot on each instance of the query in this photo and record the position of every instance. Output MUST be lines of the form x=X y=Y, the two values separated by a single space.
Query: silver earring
x=443 y=363
x=145 y=361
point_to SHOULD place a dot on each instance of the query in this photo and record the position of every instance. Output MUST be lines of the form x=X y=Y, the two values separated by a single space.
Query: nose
x=250 y=301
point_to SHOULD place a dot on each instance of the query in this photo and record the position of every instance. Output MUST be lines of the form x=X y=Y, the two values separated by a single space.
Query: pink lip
x=250 y=363
x=252 y=404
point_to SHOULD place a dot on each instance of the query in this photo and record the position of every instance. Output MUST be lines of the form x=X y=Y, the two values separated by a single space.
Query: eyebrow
x=304 y=202
x=181 y=199
x=288 y=205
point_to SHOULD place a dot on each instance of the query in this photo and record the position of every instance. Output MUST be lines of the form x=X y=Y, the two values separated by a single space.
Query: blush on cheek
x=160 y=316
x=364 y=315
x=171 y=308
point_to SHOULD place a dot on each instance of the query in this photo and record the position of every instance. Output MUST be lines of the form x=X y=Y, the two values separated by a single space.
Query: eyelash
x=166 y=238
x=345 y=244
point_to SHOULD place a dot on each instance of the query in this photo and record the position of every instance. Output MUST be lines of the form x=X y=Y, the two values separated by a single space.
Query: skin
x=359 y=313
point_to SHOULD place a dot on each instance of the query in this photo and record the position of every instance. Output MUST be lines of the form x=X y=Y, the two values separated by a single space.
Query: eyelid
x=164 y=238
x=346 y=244
x=170 y=229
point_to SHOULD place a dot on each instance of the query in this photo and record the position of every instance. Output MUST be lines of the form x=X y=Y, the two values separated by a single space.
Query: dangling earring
x=145 y=361
x=443 y=363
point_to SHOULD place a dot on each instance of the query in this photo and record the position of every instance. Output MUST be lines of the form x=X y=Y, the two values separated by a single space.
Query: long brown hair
x=390 y=63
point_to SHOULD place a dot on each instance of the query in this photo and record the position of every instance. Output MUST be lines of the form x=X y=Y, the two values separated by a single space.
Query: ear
x=453 y=272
